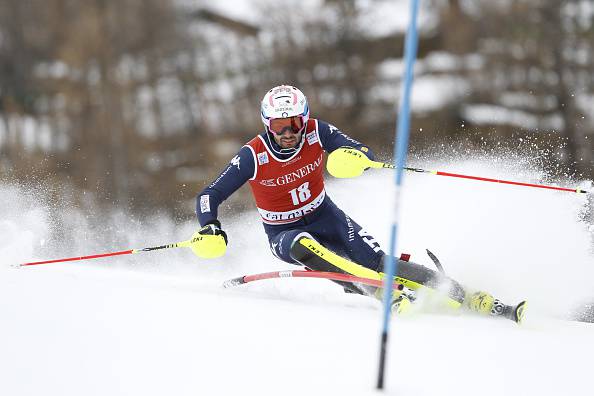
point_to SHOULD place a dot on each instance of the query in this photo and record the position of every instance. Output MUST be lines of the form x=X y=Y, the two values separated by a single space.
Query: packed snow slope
x=160 y=324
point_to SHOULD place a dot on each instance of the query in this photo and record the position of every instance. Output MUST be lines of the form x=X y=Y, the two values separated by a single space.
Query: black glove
x=213 y=227
x=209 y=241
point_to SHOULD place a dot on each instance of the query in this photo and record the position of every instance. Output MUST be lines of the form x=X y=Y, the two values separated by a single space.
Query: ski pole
x=379 y=165
x=187 y=243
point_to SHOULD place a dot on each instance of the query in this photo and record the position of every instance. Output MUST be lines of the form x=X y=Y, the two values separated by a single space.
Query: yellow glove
x=209 y=241
x=345 y=162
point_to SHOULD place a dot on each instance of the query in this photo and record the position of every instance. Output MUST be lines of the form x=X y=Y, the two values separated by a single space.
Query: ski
x=435 y=260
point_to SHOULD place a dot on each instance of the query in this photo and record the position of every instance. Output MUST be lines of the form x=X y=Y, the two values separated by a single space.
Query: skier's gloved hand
x=210 y=241
x=345 y=162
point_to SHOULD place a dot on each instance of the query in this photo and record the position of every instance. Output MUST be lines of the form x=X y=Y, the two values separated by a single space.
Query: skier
x=284 y=167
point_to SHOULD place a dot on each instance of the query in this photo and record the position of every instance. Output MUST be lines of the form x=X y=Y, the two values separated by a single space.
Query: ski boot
x=402 y=300
x=486 y=304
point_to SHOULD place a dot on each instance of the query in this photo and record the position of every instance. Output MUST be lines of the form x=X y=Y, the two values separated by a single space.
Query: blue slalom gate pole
x=400 y=151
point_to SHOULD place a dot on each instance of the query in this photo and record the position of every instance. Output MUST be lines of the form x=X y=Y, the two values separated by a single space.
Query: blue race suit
x=329 y=225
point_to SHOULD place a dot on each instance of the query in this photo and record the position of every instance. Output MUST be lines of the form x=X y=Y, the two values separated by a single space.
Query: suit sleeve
x=333 y=138
x=238 y=171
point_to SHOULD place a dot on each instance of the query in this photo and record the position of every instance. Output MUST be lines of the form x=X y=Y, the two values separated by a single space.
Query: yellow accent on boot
x=401 y=305
x=481 y=302
x=519 y=312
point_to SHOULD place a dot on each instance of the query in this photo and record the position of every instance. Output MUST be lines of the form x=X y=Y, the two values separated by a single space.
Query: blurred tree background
x=137 y=104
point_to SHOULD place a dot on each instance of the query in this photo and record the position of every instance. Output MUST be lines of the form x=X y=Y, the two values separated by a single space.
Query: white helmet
x=284 y=101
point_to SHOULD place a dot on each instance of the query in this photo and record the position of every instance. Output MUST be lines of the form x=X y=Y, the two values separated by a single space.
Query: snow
x=384 y=17
x=378 y=18
x=492 y=114
x=159 y=323
x=428 y=93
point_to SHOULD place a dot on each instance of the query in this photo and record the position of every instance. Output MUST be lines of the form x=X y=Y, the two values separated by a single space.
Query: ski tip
x=519 y=312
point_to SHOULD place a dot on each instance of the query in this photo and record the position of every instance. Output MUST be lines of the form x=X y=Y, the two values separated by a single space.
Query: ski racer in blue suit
x=284 y=167
x=327 y=222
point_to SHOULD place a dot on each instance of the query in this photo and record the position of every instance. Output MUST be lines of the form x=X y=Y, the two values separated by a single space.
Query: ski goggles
x=294 y=124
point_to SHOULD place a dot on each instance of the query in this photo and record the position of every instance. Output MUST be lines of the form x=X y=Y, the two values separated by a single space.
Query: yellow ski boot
x=401 y=305
x=486 y=304
x=402 y=301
